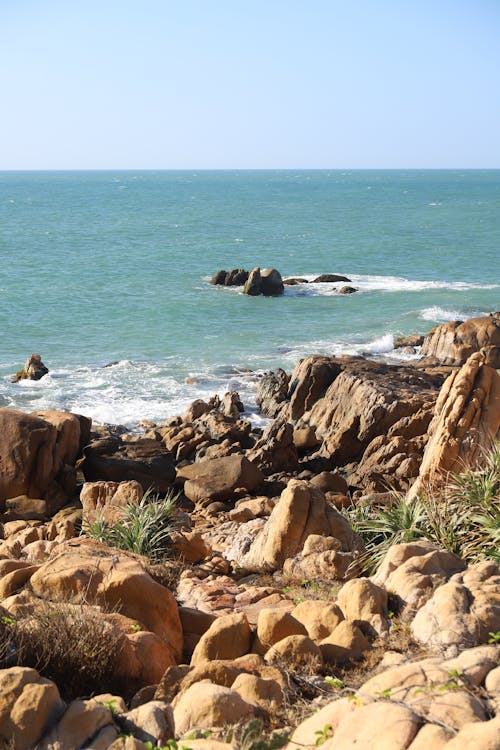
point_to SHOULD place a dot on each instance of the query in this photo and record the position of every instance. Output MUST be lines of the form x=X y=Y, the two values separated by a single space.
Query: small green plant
x=494 y=637
x=136 y=627
x=170 y=745
x=111 y=705
x=334 y=682
x=252 y=737
x=324 y=734
x=145 y=528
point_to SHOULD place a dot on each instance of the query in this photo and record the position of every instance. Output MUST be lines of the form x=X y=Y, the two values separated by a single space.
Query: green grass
x=463 y=518
x=146 y=528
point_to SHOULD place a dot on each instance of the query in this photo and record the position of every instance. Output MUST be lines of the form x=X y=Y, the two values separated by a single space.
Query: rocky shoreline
x=262 y=626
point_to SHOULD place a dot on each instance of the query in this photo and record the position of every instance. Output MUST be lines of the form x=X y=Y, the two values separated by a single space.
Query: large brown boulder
x=38 y=453
x=90 y=573
x=218 y=478
x=466 y=422
x=272 y=283
x=275 y=451
x=108 y=499
x=144 y=460
x=453 y=343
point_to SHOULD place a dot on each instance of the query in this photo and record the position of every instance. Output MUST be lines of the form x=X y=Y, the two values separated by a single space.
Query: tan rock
x=206 y=706
x=360 y=599
x=344 y=644
x=376 y=726
x=35 y=707
x=482 y=735
x=152 y=722
x=431 y=737
x=266 y=694
x=474 y=664
x=128 y=743
x=294 y=651
x=82 y=720
x=218 y=478
x=306 y=735
x=462 y=612
x=108 y=499
x=300 y=512
x=415 y=579
x=319 y=617
x=86 y=571
x=272 y=626
x=453 y=343
x=15 y=580
x=191 y=546
x=226 y=638
x=466 y=422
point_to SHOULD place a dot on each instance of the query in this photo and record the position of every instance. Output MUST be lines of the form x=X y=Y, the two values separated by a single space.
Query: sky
x=249 y=84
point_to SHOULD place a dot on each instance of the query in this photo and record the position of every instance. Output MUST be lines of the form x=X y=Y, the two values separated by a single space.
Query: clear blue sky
x=173 y=84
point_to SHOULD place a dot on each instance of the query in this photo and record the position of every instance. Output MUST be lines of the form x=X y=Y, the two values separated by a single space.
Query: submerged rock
x=332 y=278
x=347 y=290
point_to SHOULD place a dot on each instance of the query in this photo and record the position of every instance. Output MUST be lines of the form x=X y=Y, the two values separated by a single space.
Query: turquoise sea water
x=114 y=267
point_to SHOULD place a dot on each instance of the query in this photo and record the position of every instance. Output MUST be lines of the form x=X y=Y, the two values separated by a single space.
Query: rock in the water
x=294 y=281
x=329 y=278
x=347 y=290
x=219 y=277
x=412 y=341
x=33 y=369
x=253 y=286
x=235 y=277
x=272 y=283
x=453 y=343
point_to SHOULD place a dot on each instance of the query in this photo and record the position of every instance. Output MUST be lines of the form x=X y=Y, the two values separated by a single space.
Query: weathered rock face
x=272 y=392
x=253 y=286
x=275 y=451
x=453 y=343
x=366 y=404
x=37 y=455
x=465 y=424
x=33 y=369
x=219 y=477
x=107 y=499
x=144 y=460
x=309 y=382
x=300 y=512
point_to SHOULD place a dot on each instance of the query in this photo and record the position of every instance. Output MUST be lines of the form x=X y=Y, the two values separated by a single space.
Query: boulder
x=300 y=512
x=462 y=612
x=309 y=381
x=271 y=282
x=482 y=735
x=309 y=732
x=227 y=638
x=152 y=722
x=208 y=706
x=236 y=277
x=329 y=278
x=265 y=694
x=144 y=460
x=253 y=285
x=377 y=726
x=319 y=617
x=466 y=422
x=272 y=626
x=33 y=369
x=453 y=343
x=29 y=704
x=80 y=723
x=218 y=478
x=294 y=652
x=344 y=644
x=34 y=455
x=87 y=572
x=275 y=451
x=347 y=290
x=361 y=599
x=108 y=499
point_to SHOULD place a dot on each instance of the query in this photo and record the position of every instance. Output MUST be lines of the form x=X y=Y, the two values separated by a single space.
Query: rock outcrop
x=465 y=424
x=453 y=343
x=218 y=478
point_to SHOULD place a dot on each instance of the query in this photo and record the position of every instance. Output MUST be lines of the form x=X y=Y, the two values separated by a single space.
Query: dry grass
x=71 y=645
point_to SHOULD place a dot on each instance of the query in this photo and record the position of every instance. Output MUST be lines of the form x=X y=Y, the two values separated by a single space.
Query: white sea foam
x=372 y=283
x=440 y=314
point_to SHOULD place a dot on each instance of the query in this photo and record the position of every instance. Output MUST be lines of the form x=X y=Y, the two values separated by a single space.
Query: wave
x=438 y=314
x=374 y=283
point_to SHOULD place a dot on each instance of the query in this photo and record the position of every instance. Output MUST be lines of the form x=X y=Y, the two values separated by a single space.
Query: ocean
x=106 y=275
